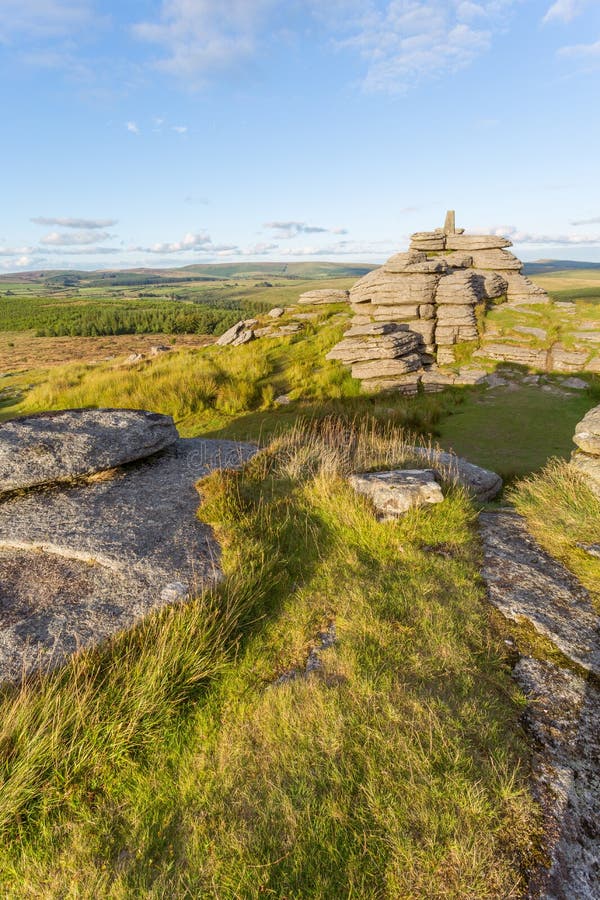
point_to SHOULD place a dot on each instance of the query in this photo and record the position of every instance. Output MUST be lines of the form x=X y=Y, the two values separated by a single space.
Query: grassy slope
x=162 y=765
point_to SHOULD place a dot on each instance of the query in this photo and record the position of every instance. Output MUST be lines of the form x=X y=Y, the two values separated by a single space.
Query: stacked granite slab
x=323 y=297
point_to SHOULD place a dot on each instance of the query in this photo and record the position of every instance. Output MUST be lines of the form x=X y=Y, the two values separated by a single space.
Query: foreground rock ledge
x=80 y=563
x=61 y=446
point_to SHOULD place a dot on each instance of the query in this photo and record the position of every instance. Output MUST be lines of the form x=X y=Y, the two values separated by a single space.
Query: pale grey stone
x=497 y=260
x=229 y=336
x=394 y=493
x=244 y=337
x=524 y=581
x=79 y=563
x=589 y=467
x=61 y=446
x=574 y=384
x=587 y=432
x=562 y=360
x=523 y=355
x=482 y=483
x=276 y=312
x=324 y=296
x=381 y=347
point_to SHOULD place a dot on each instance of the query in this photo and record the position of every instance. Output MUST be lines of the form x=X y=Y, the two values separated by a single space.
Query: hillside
x=339 y=713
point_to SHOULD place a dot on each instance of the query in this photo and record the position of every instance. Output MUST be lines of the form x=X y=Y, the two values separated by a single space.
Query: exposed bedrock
x=34 y=450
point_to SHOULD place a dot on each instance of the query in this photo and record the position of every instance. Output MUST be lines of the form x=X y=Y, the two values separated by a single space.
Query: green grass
x=514 y=432
x=561 y=512
x=172 y=763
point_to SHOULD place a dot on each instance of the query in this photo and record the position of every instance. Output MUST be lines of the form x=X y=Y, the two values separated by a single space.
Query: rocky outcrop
x=395 y=492
x=80 y=562
x=61 y=446
x=586 y=459
x=321 y=297
x=434 y=289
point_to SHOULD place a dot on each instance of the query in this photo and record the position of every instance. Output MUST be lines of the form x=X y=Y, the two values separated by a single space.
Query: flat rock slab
x=525 y=582
x=61 y=446
x=482 y=483
x=397 y=491
x=80 y=563
x=564 y=718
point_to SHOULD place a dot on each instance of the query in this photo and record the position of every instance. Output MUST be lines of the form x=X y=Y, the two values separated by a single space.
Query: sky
x=169 y=132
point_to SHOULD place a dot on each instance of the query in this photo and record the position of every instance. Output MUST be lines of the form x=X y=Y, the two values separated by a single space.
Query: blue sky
x=164 y=133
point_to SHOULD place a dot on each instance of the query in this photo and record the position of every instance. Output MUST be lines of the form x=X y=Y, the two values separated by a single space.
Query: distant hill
x=546 y=266
x=197 y=272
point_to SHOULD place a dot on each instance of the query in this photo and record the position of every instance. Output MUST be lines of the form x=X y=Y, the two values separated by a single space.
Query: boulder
x=79 y=563
x=431 y=241
x=427 y=311
x=58 y=447
x=414 y=262
x=483 y=484
x=521 y=290
x=457 y=260
x=244 y=337
x=394 y=493
x=490 y=285
x=229 y=336
x=321 y=297
x=276 y=312
x=587 y=432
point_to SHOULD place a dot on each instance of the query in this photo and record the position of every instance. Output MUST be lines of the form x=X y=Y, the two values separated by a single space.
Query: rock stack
x=432 y=293
x=587 y=456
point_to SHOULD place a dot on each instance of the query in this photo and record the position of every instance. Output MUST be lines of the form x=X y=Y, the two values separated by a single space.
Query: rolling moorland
x=178 y=759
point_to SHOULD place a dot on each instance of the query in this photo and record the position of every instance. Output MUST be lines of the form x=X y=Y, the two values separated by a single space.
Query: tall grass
x=562 y=513
x=178 y=762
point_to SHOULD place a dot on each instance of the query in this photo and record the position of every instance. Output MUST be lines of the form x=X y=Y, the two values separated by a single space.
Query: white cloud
x=42 y=18
x=190 y=242
x=586 y=53
x=409 y=40
x=525 y=237
x=288 y=230
x=132 y=127
x=200 y=36
x=74 y=223
x=565 y=10
x=74 y=238
x=15 y=251
x=180 y=129
x=593 y=221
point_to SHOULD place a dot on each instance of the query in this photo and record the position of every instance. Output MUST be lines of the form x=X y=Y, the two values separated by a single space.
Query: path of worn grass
x=163 y=766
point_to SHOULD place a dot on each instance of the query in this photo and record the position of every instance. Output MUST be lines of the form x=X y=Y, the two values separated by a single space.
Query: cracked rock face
x=79 y=563
x=61 y=446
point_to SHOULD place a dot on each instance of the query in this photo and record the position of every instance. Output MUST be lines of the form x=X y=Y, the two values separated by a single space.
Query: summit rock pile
x=411 y=313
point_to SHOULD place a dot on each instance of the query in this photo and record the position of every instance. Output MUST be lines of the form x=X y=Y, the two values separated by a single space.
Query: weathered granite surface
x=395 y=492
x=526 y=582
x=587 y=432
x=80 y=563
x=482 y=483
x=34 y=450
x=563 y=715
